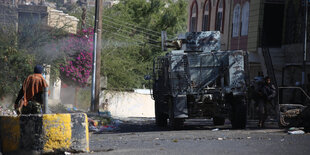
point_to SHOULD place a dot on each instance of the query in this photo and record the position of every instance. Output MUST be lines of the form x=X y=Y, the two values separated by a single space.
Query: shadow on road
x=148 y=125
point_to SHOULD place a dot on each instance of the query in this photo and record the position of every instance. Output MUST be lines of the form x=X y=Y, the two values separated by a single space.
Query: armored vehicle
x=200 y=81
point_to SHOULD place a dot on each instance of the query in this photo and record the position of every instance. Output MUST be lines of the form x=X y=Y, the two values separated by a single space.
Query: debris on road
x=216 y=129
x=297 y=132
x=7 y=112
x=67 y=153
x=102 y=122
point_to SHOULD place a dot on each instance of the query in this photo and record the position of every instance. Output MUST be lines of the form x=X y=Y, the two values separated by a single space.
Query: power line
x=132 y=25
x=128 y=42
x=119 y=28
x=133 y=39
x=131 y=28
x=126 y=23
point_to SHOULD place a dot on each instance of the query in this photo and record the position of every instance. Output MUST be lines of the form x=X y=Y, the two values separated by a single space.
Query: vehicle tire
x=218 y=120
x=174 y=123
x=239 y=112
x=160 y=117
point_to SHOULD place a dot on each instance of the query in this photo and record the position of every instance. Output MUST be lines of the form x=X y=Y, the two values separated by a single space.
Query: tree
x=132 y=35
x=15 y=65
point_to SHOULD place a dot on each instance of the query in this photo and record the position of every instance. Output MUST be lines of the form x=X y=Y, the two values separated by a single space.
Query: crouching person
x=30 y=96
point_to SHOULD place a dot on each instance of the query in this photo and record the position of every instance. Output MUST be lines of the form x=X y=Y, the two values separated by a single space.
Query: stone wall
x=59 y=19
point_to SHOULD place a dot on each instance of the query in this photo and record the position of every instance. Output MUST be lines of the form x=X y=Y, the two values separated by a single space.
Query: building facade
x=210 y=15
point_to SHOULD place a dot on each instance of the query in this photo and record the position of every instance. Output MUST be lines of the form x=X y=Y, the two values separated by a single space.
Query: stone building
x=15 y=14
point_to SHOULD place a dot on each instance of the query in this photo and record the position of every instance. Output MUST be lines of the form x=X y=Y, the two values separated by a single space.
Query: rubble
x=102 y=122
x=7 y=112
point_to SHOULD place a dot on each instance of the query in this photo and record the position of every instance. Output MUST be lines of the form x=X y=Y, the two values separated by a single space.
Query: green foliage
x=15 y=66
x=132 y=35
x=124 y=65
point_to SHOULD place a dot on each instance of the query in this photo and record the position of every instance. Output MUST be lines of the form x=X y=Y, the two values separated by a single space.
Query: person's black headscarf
x=38 y=69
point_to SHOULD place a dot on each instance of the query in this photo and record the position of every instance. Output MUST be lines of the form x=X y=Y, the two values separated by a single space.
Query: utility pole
x=305 y=45
x=96 y=58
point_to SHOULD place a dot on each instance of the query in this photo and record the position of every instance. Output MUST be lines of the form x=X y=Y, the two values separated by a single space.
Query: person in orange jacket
x=30 y=96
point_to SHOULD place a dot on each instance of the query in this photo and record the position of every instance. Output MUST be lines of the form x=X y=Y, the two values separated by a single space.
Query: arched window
x=220 y=16
x=194 y=14
x=206 y=16
x=236 y=21
x=245 y=19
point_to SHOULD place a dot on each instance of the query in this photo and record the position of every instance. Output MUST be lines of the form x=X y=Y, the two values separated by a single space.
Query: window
x=236 y=21
x=220 y=16
x=193 y=22
x=206 y=16
x=245 y=19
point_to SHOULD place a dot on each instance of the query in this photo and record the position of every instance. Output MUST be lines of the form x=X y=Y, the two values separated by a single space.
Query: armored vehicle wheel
x=174 y=123
x=218 y=120
x=160 y=117
x=238 y=118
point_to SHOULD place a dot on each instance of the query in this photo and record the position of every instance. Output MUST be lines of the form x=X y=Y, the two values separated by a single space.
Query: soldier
x=30 y=100
x=267 y=94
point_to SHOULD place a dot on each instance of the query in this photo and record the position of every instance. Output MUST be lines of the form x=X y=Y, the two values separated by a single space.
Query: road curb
x=44 y=133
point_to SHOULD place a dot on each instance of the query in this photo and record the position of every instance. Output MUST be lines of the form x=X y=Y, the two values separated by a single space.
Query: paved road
x=140 y=136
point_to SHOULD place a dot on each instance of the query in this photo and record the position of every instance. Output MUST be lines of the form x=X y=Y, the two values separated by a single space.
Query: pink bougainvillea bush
x=78 y=67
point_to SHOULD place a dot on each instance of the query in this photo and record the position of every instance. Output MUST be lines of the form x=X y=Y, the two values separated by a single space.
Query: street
x=141 y=136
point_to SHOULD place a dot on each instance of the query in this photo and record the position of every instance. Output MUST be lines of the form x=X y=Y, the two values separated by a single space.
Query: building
x=16 y=14
x=92 y=3
x=210 y=15
x=110 y=3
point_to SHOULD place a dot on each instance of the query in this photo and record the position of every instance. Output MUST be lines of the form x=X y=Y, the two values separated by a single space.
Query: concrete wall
x=129 y=104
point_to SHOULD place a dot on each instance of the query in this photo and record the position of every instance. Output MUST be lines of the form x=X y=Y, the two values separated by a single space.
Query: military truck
x=200 y=81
